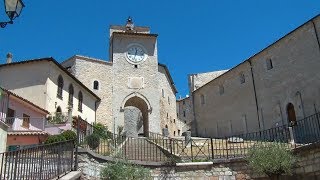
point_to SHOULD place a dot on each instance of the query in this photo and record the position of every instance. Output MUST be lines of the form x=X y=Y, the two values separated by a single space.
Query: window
x=183 y=102
x=162 y=93
x=168 y=99
x=80 y=97
x=96 y=85
x=167 y=116
x=221 y=89
x=60 y=87
x=10 y=117
x=202 y=99
x=58 y=110
x=71 y=92
x=269 y=64
x=166 y=126
x=26 y=121
x=178 y=132
x=184 y=113
x=174 y=133
x=174 y=120
x=242 y=78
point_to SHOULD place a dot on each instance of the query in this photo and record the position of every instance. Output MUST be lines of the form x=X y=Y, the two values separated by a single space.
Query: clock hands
x=135 y=54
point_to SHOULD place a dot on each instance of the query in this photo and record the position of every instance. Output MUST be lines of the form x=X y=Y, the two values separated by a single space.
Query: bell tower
x=133 y=52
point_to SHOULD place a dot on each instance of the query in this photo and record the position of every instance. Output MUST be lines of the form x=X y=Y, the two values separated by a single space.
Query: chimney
x=9 y=58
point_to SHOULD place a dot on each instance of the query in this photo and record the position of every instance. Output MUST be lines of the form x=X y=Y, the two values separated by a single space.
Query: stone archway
x=142 y=104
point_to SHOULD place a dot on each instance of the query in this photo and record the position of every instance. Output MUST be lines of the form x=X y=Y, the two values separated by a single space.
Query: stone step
x=141 y=149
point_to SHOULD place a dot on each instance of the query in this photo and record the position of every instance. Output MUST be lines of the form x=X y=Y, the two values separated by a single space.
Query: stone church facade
x=133 y=77
x=279 y=84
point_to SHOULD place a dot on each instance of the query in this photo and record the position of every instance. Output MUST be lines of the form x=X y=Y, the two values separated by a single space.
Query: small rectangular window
x=221 y=89
x=184 y=113
x=10 y=117
x=269 y=64
x=242 y=78
x=202 y=99
x=26 y=121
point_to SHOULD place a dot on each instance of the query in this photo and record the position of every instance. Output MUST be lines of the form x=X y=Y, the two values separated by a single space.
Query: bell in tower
x=129 y=25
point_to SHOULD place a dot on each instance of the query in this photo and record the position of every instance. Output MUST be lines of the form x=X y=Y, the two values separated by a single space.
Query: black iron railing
x=40 y=162
x=160 y=148
x=307 y=130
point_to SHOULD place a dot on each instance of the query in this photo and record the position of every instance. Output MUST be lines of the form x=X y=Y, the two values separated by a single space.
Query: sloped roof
x=170 y=78
x=26 y=133
x=25 y=100
x=50 y=59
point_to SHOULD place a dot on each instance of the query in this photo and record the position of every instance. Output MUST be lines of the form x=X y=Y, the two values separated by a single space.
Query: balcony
x=24 y=124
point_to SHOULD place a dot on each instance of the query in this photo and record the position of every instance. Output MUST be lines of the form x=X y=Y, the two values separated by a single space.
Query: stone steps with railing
x=141 y=149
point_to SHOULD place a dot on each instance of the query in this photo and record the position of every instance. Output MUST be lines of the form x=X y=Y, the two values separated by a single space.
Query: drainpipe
x=95 y=112
x=7 y=103
x=255 y=93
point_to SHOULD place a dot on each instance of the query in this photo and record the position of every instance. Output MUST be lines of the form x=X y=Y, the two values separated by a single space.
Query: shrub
x=93 y=141
x=55 y=138
x=101 y=130
x=123 y=170
x=57 y=118
x=69 y=135
x=272 y=159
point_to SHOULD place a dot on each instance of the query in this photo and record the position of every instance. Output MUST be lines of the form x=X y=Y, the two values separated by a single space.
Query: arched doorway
x=291 y=114
x=142 y=104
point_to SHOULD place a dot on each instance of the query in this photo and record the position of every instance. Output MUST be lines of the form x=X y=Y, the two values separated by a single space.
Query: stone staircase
x=142 y=149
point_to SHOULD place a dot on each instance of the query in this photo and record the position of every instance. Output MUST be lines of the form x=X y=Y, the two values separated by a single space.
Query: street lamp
x=13 y=9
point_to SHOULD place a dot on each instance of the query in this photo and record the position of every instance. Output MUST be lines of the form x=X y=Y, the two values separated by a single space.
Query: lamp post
x=13 y=9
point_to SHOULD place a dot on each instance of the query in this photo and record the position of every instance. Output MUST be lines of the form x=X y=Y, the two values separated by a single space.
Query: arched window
x=71 y=92
x=96 y=85
x=60 y=87
x=80 y=98
x=291 y=114
x=166 y=126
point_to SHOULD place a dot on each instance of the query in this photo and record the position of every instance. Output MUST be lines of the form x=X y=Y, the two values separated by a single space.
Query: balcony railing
x=24 y=124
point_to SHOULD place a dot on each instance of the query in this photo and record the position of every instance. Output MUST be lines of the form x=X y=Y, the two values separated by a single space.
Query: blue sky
x=194 y=36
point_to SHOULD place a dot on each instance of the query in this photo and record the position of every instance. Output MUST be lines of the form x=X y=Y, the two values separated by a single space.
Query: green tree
x=273 y=159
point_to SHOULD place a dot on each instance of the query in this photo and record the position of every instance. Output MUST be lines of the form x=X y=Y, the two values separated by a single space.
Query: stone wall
x=88 y=70
x=168 y=115
x=226 y=105
x=307 y=167
x=185 y=113
x=197 y=80
x=284 y=72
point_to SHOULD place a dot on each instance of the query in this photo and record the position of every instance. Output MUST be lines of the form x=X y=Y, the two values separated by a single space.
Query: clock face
x=136 y=54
